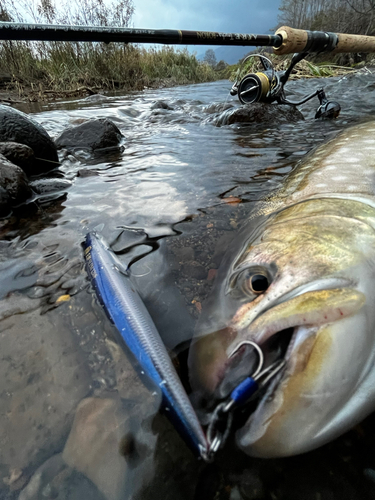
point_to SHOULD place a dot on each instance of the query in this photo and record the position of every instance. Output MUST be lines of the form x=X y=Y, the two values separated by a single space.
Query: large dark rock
x=4 y=202
x=20 y=155
x=16 y=126
x=93 y=134
x=270 y=114
x=14 y=181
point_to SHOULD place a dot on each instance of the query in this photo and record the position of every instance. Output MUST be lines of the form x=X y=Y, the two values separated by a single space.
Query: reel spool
x=255 y=87
x=268 y=86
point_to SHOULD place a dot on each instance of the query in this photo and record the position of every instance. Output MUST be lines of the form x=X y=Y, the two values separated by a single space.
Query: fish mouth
x=279 y=347
x=245 y=360
x=285 y=332
x=292 y=346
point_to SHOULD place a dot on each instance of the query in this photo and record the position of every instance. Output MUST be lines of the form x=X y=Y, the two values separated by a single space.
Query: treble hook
x=222 y=417
x=258 y=350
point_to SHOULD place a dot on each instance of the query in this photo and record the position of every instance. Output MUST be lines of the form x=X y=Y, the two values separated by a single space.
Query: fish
x=141 y=340
x=298 y=281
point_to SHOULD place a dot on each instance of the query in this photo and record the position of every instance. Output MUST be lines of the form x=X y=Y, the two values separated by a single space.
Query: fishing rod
x=285 y=41
x=263 y=86
x=67 y=33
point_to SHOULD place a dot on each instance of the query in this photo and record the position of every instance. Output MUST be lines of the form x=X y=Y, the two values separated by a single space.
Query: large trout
x=301 y=284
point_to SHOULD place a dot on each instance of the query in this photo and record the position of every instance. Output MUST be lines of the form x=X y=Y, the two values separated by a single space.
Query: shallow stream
x=168 y=201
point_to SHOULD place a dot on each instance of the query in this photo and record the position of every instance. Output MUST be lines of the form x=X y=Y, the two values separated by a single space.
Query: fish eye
x=249 y=282
x=258 y=283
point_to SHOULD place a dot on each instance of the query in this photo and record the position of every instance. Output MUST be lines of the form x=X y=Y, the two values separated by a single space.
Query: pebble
x=211 y=274
x=39 y=387
x=184 y=254
x=194 y=270
x=97 y=446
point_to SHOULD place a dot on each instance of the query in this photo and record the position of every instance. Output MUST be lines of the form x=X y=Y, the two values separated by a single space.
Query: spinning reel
x=268 y=86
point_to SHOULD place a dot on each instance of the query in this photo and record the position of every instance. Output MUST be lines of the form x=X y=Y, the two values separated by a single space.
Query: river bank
x=13 y=93
x=31 y=71
x=170 y=68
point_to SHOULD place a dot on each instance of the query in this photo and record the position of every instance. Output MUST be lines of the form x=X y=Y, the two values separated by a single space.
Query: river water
x=169 y=201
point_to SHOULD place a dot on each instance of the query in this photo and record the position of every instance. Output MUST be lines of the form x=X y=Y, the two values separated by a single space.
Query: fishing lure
x=126 y=310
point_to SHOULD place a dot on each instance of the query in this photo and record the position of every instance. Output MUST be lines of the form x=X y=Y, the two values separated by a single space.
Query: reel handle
x=354 y=43
x=295 y=40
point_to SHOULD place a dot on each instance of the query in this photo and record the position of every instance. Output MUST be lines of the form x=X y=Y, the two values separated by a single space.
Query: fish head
x=301 y=287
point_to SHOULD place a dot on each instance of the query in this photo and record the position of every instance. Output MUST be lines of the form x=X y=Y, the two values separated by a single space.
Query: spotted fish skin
x=342 y=168
x=314 y=240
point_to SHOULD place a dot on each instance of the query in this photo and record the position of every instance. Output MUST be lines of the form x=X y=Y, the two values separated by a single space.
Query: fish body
x=126 y=310
x=300 y=281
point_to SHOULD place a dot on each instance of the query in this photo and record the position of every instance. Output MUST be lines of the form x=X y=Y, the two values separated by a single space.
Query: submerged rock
x=96 y=98
x=42 y=378
x=217 y=107
x=50 y=185
x=94 y=442
x=93 y=134
x=269 y=114
x=194 y=270
x=161 y=105
x=18 y=127
x=14 y=184
x=5 y=207
x=87 y=172
x=56 y=480
x=103 y=446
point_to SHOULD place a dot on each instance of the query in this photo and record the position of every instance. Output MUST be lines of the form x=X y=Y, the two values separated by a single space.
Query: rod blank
x=66 y=33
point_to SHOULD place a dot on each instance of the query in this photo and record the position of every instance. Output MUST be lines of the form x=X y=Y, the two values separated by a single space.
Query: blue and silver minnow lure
x=126 y=310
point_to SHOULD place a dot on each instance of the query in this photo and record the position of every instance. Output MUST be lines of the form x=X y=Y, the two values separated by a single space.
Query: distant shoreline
x=15 y=91
x=30 y=94
x=64 y=70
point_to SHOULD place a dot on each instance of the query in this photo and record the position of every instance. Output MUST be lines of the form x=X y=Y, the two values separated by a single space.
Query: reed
x=62 y=66
x=304 y=69
x=66 y=66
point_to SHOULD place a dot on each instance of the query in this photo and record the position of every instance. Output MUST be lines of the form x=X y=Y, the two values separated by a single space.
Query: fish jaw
x=324 y=391
x=320 y=394
x=310 y=308
x=209 y=359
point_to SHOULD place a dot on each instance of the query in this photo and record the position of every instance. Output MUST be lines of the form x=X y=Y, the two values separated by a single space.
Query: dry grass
x=304 y=69
x=65 y=66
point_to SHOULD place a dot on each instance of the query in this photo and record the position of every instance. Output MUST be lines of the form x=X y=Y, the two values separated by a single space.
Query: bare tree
x=210 y=58
x=351 y=16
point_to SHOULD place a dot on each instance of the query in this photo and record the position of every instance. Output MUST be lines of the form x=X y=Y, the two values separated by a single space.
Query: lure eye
x=258 y=283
